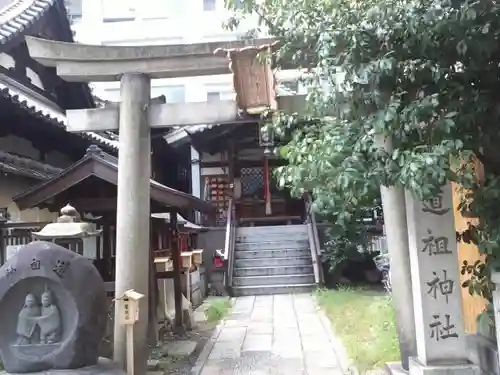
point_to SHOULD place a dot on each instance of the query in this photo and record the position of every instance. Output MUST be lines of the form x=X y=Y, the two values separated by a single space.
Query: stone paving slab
x=273 y=335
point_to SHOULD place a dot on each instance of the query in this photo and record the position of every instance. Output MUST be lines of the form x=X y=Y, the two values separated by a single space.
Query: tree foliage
x=425 y=71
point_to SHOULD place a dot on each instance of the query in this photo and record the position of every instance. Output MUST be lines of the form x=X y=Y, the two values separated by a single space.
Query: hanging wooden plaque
x=253 y=78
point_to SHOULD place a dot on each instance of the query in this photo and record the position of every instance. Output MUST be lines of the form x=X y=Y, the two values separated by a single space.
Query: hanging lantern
x=266 y=139
x=253 y=78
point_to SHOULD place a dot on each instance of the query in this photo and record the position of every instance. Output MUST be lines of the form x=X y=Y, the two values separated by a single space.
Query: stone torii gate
x=135 y=67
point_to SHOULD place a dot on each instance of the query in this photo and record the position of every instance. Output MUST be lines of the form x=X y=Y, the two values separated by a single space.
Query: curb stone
x=205 y=352
x=345 y=362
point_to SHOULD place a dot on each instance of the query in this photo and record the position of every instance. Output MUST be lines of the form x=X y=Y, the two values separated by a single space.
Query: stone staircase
x=272 y=260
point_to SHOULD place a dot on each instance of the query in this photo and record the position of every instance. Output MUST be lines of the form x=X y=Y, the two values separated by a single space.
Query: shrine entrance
x=262 y=203
x=233 y=166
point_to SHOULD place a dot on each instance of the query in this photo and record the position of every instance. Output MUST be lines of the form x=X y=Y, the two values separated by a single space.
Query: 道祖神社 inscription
x=440 y=286
x=53 y=309
x=435 y=245
x=435 y=206
x=442 y=329
x=434 y=267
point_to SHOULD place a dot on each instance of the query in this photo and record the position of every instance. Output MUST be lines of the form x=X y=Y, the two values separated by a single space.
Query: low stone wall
x=216 y=283
x=210 y=241
x=198 y=286
x=483 y=352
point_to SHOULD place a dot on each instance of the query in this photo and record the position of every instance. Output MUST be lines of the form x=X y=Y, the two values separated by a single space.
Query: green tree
x=425 y=71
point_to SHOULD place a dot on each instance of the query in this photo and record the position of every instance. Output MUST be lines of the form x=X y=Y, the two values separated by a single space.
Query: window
x=173 y=94
x=213 y=96
x=118 y=10
x=74 y=9
x=216 y=92
x=156 y=9
x=209 y=5
x=111 y=94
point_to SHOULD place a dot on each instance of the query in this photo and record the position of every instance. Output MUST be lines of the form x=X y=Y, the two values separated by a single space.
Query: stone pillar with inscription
x=441 y=341
x=495 y=279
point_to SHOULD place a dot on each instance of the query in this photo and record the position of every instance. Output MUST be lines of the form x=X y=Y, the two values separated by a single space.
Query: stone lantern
x=68 y=227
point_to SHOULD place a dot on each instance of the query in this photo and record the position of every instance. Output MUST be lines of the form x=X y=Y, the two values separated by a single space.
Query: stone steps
x=292 y=260
x=272 y=229
x=272 y=260
x=263 y=290
x=273 y=245
x=273 y=270
x=272 y=236
x=297 y=279
x=281 y=253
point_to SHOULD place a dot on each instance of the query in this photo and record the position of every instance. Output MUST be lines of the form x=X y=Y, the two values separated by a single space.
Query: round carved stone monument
x=53 y=310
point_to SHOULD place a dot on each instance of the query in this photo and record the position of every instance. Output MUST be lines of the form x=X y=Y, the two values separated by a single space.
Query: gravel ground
x=181 y=365
x=160 y=362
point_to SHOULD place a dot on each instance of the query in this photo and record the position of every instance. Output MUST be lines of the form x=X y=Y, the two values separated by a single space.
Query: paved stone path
x=273 y=335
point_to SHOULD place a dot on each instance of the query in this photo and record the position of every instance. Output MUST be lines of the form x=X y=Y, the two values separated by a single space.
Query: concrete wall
x=11 y=185
x=484 y=353
x=154 y=22
x=165 y=22
x=209 y=242
x=23 y=147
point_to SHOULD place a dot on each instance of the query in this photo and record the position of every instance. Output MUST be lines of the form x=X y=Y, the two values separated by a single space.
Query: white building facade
x=148 y=22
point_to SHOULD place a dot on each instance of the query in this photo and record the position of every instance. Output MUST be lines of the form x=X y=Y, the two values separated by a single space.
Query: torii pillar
x=133 y=210
x=134 y=67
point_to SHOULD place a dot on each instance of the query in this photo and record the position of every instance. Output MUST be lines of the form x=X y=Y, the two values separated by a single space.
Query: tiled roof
x=182 y=134
x=79 y=171
x=53 y=116
x=15 y=19
x=26 y=167
x=20 y=15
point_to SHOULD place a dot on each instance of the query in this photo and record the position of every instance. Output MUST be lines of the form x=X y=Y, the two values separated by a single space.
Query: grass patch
x=365 y=321
x=217 y=309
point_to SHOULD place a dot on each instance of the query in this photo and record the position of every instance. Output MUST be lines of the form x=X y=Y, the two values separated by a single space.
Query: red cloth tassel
x=267 y=190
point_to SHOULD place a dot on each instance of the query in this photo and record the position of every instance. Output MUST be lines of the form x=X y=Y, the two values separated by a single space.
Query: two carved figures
x=38 y=323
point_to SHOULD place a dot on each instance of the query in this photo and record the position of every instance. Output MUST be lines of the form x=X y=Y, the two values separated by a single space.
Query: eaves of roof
x=16 y=19
x=181 y=135
x=26 y=167
x=78 y=171
x=48 y=112
x=20 y=15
